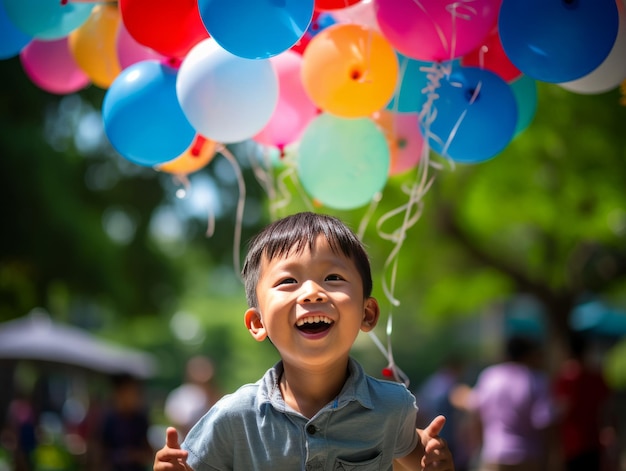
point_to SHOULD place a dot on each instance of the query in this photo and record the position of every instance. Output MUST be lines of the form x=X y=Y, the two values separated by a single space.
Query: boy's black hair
x=297 y=232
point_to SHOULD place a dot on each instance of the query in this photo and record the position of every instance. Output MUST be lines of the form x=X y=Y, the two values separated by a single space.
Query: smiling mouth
x=314 y=324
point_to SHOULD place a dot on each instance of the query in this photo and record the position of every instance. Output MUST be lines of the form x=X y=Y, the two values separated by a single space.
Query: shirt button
x=310 y=429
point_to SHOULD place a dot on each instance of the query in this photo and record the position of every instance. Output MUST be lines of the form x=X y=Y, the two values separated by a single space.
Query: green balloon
x=343 y=162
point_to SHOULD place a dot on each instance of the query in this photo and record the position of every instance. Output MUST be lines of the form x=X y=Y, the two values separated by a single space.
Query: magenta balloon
x=434 y=30
x=51 y=66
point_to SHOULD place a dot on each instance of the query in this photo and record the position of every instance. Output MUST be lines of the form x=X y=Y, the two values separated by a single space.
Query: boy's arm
x=171 y=457
x=431 y=451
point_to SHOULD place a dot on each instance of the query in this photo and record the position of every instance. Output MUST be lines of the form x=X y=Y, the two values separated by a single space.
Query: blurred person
x=124 y=428
x=19 y=435
x=514 y=410
x=583 y=398
x=186 y=404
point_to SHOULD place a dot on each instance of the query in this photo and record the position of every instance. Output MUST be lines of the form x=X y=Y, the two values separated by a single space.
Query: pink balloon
x=51 y=66
x=404 y=138
x=129 y=51
x=435 y=30
x=294 y=109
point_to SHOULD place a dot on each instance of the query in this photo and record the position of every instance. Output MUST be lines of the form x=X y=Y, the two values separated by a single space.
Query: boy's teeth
x=313 y=320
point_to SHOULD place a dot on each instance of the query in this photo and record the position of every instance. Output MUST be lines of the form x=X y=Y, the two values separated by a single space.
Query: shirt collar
x=355 y=388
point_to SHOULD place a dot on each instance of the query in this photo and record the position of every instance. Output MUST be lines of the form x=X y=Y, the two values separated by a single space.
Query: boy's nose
x=311 y=292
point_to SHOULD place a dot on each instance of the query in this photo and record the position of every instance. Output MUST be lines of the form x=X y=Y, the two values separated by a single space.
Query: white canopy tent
x=37 y=337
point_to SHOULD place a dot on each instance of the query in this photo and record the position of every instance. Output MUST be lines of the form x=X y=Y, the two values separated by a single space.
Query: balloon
x=12 y=39
x=254 y=29
x=130 y=51
x=361 y=13
x=611 y=72
x=435 y=30
x=51 y=66
x=93 y=45
x=404 y=138
x=525 y=92
x=349 y=70
x=491 y=56
x=46 y=19
x=170 y=27
x=142 y=117
x=412 y=79
x=294 y=109
x=542 y=50
x=323 y=5
x=343 y=163
x=196 y=156
x=473 y=118
x=225 y=97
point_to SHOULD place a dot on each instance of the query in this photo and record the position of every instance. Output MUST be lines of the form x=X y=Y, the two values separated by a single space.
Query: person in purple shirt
x=513 y=405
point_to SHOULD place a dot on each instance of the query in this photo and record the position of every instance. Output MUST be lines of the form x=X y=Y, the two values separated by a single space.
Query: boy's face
x=311 y=306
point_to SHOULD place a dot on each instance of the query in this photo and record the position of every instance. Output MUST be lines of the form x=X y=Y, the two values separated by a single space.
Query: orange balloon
x=349 y=70
x=94 y=45
x=197 y=155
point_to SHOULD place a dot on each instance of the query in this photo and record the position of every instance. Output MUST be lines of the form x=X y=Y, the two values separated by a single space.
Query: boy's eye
x=334 y=277
x=287 y=281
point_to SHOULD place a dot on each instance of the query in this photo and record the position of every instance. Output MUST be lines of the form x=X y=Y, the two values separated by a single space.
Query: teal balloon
x=343 y=163
x=411 y=81
x=47 y=19
x=525 y=92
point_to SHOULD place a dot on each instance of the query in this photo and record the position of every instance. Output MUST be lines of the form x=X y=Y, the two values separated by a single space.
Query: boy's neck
x=309 y=390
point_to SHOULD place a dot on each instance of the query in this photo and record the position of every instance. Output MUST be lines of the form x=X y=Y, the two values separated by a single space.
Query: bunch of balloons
x=359 y=86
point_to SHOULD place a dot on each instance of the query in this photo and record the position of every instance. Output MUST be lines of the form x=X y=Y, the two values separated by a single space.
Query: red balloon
x=324 y=5
x=171 y=28
x=491 y=56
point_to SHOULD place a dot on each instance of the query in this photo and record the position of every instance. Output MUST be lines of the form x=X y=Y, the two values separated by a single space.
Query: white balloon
x=225 y=97
x=610 y=73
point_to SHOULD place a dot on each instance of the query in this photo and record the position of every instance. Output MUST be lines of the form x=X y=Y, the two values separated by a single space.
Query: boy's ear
x=255 y=326
x=371 y=313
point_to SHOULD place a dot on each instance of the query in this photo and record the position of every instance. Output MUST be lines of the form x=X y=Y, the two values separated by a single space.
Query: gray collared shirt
x=369 y=424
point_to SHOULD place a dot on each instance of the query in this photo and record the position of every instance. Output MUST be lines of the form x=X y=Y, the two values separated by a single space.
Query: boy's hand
x=171 y=457
x=437 y=455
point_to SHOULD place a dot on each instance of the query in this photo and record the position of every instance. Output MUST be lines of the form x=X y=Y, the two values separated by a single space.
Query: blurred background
x=115 y=274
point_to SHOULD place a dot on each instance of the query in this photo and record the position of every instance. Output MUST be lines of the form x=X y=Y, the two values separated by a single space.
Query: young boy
x=308 y=284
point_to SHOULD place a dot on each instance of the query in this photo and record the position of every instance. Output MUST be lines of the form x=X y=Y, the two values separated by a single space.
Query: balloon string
x=411 y=210
x=240 y=205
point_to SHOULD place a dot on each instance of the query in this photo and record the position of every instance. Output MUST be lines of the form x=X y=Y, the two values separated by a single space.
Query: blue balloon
x=142 y=117
x=256 y=29
x=555 y=40
x=47 y=19
x=472 y=117
x=12 y=39
x=412 y=78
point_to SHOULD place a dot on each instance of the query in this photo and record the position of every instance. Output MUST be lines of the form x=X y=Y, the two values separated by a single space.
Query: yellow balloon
x=197 y=155
x=349 y=70
x=93 y=45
